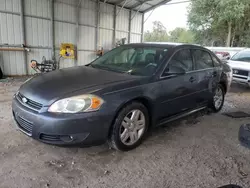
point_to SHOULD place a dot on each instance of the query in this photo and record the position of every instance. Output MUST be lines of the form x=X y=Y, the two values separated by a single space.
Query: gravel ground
x=199 y=151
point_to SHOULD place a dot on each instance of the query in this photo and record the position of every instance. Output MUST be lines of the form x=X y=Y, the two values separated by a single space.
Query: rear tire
x=218 y=99
x=129 y=128
x=1 y=73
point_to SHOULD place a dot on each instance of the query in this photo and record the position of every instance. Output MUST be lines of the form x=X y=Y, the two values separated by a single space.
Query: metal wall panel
x=122 y=20
x=10 y=5
x=64 y=33
x=37 y=8
x=135 y=38
x=10 y=29
x=37 y=54
x=85 y=57
x=12 y=63
x=65 y=12
x=106 y=16
x=106 y=39
x=136 y=22
x=120 y=35
x=89 y=5
x=68 y=2
x=87 y=17
x=38 y=32
x=86 y=38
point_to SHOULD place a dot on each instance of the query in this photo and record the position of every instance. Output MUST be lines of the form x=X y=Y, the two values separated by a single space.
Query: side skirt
x=178 y=116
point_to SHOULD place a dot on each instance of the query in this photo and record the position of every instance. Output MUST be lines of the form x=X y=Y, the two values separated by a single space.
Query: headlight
x=82 y=103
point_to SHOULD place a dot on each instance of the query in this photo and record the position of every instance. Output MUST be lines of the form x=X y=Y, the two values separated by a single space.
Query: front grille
x=32 y=104
x=47 y=137
x=240 y=72
x=240 y=77
x=24 y=124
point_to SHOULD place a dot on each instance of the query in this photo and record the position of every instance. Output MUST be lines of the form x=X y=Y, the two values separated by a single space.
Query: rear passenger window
x=182 y=59
x=203 y=60
x=216 y=61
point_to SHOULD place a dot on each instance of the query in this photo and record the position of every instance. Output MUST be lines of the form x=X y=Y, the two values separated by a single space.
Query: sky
x=171 y=16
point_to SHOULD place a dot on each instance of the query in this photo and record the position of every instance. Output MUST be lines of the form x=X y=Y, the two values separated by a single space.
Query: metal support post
x=52 y=33
x=23 y=35
x=114 y=24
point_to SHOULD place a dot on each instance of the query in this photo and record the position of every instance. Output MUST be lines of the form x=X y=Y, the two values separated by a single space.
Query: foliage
x=160 y=34
x=225 y=22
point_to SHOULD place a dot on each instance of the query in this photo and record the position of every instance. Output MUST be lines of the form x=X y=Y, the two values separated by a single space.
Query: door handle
x=192 y=79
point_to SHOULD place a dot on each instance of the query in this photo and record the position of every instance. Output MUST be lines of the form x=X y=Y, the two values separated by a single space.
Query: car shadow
x=239 y=88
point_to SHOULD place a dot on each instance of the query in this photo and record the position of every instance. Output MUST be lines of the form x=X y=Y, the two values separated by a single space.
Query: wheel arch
x=143 y=100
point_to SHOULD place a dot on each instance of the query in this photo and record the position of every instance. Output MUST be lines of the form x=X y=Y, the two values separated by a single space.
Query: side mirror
x=174 y=71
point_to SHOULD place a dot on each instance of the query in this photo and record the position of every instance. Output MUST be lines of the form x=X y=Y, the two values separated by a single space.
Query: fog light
x=67 y=138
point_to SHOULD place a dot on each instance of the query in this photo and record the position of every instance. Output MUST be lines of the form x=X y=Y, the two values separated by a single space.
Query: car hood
x=49 y=87
x=239 y=65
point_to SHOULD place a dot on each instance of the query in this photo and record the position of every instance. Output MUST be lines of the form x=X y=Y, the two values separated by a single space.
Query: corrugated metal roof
x=138 y=5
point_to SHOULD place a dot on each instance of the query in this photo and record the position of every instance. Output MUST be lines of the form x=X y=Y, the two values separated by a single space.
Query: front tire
x=130 y=127
x=218 y=99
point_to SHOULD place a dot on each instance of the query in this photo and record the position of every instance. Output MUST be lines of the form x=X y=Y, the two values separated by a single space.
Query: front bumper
x=62 y=129
x=242 y=79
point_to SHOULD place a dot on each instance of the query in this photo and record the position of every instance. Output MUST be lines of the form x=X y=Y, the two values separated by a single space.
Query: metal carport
x=42 y=25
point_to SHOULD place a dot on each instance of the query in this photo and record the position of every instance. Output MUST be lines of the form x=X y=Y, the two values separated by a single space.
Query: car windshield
x=141 y=61
x=242 y=56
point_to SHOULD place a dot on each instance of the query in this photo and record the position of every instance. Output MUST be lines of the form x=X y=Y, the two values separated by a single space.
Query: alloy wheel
x=132 y=127
x=218 y=98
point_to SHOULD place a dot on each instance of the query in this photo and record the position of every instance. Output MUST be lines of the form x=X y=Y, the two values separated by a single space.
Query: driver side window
x=182 y=60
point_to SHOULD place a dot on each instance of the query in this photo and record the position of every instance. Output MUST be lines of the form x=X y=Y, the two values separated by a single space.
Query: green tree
x=159 y=33
x=181 y=35
x=214 y=18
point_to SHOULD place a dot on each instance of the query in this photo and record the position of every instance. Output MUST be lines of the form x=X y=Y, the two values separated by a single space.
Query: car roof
x=163 y=44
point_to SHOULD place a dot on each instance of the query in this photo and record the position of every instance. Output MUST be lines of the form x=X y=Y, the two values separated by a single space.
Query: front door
x=177 y=90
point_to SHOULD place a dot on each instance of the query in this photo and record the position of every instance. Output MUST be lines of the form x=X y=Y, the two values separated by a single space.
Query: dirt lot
x=199 y=151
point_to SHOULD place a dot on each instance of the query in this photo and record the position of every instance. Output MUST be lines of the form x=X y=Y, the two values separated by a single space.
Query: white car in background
x=240 y=64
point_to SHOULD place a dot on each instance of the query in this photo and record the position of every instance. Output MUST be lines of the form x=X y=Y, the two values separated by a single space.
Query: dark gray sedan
x=120 y=95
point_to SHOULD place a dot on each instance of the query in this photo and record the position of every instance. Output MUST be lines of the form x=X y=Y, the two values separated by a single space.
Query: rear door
x=207 y=75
